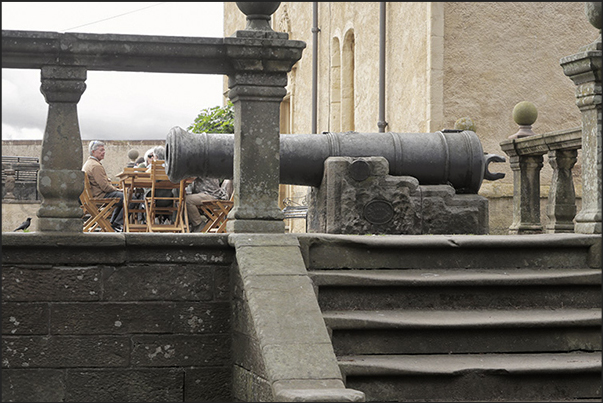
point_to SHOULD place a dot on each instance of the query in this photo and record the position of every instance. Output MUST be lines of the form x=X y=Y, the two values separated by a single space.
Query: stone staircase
x=463 y=318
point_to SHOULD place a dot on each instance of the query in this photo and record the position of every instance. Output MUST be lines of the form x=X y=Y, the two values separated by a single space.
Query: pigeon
x=24 y=225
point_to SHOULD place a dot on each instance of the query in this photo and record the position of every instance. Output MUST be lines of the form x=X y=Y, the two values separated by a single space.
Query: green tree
x=219 y=119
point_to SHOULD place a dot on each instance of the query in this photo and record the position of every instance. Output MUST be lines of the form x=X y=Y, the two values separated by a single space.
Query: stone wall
x=116 y=317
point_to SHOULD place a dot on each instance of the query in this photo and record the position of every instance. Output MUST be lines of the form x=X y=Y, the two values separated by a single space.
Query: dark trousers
x=118 y=214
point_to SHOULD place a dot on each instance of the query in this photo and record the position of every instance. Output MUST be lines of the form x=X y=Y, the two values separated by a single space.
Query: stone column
x=61 y=180
x=526 y=197
x=561 y=207
x=584 y=69
x=261 y=60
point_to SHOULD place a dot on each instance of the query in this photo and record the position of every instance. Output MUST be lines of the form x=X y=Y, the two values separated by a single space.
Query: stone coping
x=568 y=139
x=148 y=53
x=93 y=239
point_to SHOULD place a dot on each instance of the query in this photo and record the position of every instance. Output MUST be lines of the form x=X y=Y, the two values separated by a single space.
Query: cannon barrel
x=447 y=157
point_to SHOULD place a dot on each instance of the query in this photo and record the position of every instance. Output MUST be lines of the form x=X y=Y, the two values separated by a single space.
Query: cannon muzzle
x=452 y=157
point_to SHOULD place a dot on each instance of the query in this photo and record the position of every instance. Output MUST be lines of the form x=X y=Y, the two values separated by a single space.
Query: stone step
x=457 y=288
x=469 y=331
x=506 y=277
x=475 y=377
x=539 y=251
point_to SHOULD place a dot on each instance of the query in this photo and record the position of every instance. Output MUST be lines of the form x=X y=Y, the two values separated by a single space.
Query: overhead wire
x=115 y=16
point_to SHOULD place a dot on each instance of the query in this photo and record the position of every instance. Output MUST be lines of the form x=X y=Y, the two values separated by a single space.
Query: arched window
x=347 y=82
x=335 y=113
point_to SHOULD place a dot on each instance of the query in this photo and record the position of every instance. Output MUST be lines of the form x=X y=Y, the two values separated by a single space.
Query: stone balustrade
x=526 y=157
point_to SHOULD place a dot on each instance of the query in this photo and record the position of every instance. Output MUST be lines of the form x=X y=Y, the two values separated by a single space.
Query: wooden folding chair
x=134 y=203
x=175 y=209
x=216 y=212
x=97 y=211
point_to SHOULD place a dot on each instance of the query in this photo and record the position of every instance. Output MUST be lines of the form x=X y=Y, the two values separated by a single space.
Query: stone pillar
x=61 y=180
x=584 y=69
x=261 y=60
x=561 y=207
x=526 y=194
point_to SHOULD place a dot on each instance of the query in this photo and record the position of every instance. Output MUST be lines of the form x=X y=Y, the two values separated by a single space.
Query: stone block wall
x=116 y=317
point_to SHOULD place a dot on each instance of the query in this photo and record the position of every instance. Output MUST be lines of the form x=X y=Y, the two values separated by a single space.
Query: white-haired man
x=101 y=185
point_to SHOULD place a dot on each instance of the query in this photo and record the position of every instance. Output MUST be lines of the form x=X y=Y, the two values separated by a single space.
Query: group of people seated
x=201 y=189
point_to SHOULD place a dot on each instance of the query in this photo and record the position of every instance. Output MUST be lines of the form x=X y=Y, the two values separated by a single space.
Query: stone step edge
x=458 y=364
x=405 y=319
x=454 y=277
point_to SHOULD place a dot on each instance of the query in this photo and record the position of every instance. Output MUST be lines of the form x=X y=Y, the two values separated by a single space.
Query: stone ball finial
x=133 y=154
x=593 y=13
x=258 y=14
x=465 y=123
x=524 y=114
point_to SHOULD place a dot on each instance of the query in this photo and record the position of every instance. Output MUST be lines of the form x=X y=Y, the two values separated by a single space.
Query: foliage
x=219 y=119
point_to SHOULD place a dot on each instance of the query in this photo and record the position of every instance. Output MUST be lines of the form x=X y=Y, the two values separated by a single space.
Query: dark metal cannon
x=448 y=157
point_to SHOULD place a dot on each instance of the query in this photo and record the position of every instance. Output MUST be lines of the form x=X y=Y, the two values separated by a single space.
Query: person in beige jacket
x=100 y=184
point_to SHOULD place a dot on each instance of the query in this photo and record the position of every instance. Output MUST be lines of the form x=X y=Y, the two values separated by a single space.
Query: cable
x=115 y=16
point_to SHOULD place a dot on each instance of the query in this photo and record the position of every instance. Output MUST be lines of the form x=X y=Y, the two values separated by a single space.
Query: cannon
x=453 y=157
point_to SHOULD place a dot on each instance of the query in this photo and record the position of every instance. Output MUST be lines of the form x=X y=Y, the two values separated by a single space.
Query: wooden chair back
x=134 y=203
x=162 y=202
x=97 y=211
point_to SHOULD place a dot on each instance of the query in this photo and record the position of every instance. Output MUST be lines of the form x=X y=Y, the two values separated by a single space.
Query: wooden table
x=133 y=179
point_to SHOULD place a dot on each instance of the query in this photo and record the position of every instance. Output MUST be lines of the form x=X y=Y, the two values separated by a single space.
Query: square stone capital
x=258 y=54
x=64 y=84
x=583 y=67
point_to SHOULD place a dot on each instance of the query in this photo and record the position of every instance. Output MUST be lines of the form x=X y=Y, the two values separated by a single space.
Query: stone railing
x=526 y=158
x=256 y=61
x=526 y=149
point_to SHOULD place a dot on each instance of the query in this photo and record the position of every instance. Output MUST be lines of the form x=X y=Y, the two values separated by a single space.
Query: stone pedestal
x=358 y=196
x=60 y=179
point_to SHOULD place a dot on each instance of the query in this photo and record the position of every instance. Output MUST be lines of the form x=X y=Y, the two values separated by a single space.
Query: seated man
x=101 y=185
x=203 y=189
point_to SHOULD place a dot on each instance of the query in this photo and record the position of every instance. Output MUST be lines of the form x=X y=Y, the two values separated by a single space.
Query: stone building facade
x=443 y=61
